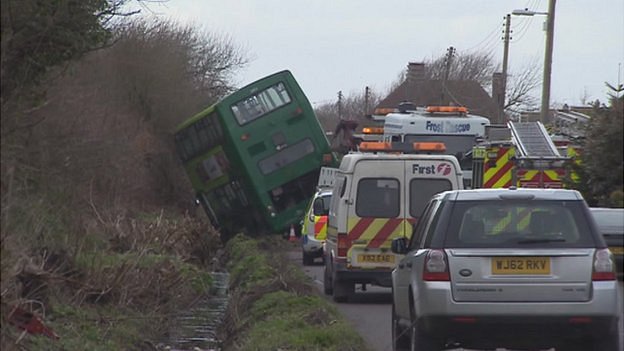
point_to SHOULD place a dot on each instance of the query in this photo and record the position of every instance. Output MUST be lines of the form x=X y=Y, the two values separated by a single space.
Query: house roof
x=423 y=92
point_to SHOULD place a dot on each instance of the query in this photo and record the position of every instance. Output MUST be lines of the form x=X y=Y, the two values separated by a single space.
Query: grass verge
x=274 y=306
x=110 y=285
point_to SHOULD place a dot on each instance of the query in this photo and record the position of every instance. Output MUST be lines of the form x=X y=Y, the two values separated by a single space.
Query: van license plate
x=521 y=265
x=370 y=258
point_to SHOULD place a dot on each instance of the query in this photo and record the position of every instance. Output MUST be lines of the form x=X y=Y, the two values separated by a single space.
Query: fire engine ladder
x=532 y=141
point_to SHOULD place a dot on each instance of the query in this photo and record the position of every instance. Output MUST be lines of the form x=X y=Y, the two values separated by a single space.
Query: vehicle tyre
x=400 y=337
x=610 y=342
x=307 y=259
x=419 y=340
x=342 y=290
x=327 y=287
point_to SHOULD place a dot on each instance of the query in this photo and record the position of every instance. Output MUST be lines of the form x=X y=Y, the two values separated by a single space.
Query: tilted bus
x=254 y=157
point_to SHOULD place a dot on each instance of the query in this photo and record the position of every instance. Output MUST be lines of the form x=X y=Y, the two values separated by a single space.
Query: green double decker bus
x=254 y=157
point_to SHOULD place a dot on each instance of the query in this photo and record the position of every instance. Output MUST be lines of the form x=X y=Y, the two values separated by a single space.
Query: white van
x=376 y=198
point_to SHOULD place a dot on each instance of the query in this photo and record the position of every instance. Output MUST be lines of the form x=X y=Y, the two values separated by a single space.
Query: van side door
x=425 y=178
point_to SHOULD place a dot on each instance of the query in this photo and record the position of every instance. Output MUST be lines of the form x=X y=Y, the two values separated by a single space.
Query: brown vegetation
x=96 y=210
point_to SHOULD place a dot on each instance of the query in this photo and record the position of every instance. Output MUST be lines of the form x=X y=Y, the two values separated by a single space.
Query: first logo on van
x=442 y=168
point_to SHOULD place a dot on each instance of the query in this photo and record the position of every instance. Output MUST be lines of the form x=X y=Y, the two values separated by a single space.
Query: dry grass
x=97 y=214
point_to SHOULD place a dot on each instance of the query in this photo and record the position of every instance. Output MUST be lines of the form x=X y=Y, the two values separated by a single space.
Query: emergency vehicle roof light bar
x=456 y=109
x=373 y=130
x=384 y=110
x=429 y=147
x=417 y=147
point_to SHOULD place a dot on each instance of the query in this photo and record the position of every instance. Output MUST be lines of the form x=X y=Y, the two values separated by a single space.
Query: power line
x=490 y=37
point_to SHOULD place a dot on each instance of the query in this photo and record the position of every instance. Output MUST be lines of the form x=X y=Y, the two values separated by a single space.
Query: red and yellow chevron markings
x=376 y=231
x=498 y=176
x=320 y=227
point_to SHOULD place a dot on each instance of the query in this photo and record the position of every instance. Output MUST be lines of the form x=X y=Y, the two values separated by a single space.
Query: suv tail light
x=436 y=266
x=603 y=266
x=343 y=245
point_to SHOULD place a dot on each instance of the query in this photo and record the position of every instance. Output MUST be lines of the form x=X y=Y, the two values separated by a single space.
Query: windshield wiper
x=541 y=241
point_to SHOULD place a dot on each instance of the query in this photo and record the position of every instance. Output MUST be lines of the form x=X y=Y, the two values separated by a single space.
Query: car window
x=420 y=226
x=431 y=228
x=518 y=224
x=321 y=205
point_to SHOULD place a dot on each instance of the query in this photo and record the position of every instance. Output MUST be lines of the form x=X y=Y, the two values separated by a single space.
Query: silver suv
x=515 y=268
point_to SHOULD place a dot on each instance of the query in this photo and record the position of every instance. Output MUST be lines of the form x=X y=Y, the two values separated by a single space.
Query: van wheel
x=342 y=290
x=327 y=287
x=307 y=259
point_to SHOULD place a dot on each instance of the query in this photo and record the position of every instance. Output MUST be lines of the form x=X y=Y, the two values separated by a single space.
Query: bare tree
x=355 y=106
x=472 y=66
x=521 y=85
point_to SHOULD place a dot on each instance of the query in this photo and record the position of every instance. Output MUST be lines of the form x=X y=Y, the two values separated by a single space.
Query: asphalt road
x=369 y=311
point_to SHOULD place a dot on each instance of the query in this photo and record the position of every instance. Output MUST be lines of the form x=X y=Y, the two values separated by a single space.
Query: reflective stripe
x=575 y=153
x=549 y=178
x=320 y=227
x=504 y=224
x=376 y=232
x=500 y=175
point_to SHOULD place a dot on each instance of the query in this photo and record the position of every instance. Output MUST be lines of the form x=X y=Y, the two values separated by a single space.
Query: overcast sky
x=345 y=45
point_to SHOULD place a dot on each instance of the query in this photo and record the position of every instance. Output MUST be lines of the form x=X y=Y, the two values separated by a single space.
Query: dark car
x=611 y=224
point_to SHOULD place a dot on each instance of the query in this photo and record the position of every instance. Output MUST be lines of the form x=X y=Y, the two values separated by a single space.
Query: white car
x=513 y=268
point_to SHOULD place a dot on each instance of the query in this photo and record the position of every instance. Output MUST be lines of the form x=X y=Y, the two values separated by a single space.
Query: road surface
x=369 y=311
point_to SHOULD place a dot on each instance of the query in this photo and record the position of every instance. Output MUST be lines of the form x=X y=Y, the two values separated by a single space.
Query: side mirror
x=399 y=246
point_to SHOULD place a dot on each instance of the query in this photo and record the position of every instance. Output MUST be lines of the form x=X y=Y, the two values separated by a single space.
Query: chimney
x=415 y=71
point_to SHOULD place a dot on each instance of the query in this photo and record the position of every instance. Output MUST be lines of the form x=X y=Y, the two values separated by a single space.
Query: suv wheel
x=400 y=340
x=419 y=340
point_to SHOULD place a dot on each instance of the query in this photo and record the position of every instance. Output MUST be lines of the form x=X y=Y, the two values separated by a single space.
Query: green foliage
x=602 y=158
x=275 y=307
x=92 y=328
x=200 y=280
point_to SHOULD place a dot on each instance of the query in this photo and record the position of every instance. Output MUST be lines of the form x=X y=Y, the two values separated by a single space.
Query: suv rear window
x=510 y=224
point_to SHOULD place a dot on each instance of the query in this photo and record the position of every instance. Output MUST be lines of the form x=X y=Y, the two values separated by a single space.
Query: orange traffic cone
x=291 y=236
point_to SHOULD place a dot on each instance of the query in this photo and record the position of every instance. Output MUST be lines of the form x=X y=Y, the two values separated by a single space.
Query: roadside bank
x=274 y=306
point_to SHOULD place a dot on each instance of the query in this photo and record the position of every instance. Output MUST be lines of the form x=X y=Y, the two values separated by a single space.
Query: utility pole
x=450 y=52
x=448 y=59
x=340 y=104
x=550 y=29
x=366 y=95
x=503 y=93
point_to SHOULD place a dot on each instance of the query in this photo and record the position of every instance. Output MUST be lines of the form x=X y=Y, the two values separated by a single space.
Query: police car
x=314 y=227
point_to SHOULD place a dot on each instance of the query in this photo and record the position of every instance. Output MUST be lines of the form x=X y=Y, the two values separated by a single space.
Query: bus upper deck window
x=261 y=103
